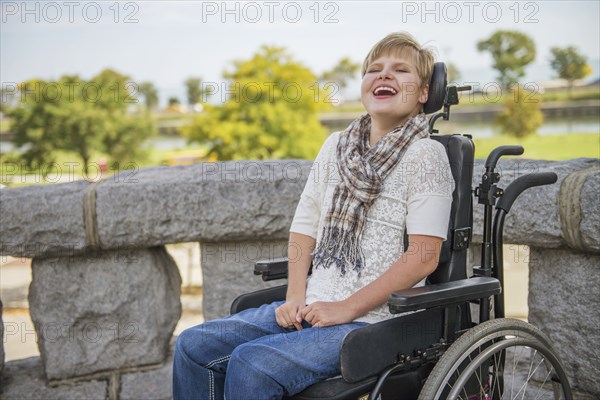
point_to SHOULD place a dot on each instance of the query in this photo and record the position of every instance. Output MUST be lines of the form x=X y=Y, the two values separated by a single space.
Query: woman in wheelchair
x=367 y=184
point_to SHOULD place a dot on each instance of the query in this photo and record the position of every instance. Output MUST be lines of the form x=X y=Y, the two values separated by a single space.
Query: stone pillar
x=564 y=302
x=228 y=271
x=102 y=312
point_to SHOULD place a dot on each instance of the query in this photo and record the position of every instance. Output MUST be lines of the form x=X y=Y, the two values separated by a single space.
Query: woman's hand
x=288 y=314
x=320 y=313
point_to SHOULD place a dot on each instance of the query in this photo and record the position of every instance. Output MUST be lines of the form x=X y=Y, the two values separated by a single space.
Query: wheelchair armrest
x=270 y=270
x=368 y=350
x=443 y=294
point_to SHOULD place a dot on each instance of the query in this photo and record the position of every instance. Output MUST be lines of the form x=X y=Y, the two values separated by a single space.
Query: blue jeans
x=248 y=356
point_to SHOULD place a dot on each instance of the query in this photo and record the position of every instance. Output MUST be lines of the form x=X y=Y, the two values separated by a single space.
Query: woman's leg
x=202 y=352
x=285 y=363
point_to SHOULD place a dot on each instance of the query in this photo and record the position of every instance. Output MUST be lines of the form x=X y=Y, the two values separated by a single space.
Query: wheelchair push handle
x=500 y=151
x=521 y=184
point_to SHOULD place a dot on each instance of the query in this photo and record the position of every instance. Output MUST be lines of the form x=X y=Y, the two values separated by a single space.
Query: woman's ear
x=424 y=96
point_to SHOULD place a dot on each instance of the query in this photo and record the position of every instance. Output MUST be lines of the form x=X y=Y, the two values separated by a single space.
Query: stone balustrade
x=105 y=294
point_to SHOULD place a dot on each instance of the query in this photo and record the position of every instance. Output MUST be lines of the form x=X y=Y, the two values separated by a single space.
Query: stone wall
x=102 y=277
x=564 y=302
x=212 y=202
x=241 y=201
x=227 y=270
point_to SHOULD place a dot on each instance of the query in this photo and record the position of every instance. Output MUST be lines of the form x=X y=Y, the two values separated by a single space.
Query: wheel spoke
x=515 y=362
x=483 y=356
x=529 y=375
x=543 y=383
x=497 y=384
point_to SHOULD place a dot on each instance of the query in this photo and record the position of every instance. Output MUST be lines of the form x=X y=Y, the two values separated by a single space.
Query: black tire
x=480 y=365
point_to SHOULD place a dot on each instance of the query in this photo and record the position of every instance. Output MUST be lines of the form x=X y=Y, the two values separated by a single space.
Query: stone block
x=228 y=271
x=156 y=384
x=564 y=302
x=117 y=309
x=40 y=220
x=208 y=202
x=24 y=379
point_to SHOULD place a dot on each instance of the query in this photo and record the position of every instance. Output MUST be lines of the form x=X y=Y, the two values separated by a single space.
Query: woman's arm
x=420 y=260
x=303 y=234
x=300 y=247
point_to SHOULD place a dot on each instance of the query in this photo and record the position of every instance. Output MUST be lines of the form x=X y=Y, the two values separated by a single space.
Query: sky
x=166 y=42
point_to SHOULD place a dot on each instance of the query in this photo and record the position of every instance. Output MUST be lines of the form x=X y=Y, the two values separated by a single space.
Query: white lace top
x=416 y=194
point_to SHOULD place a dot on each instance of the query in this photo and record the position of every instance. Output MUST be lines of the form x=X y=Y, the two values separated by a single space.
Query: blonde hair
x=399 y=43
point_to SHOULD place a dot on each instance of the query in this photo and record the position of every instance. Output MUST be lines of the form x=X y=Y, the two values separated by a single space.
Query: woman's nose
x=384 y=74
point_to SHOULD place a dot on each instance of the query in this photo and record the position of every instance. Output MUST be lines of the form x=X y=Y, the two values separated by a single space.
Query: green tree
x=271 y=112
x=521 y=115
x=569 y=64
x=148 y=92
x=110 y=90
x=79 y=116
x=195 y=92
x=29 y=126
x=512 y=51
x=341 y=73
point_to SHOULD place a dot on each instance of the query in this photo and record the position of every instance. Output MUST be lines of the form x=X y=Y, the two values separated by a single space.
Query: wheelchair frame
x=450 y=348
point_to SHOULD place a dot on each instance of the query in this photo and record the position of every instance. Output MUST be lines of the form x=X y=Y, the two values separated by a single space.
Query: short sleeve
x=430 y=187
x=308 y=212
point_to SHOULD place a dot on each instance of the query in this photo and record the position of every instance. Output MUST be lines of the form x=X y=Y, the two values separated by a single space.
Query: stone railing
x=105 y=294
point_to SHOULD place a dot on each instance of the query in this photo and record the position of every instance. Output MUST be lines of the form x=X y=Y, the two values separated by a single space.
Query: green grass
x=550 y=147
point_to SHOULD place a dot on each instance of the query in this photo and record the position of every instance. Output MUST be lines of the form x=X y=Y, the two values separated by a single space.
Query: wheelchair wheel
x=498 y=359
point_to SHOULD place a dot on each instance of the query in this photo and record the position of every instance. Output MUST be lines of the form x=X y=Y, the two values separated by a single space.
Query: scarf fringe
x=340 y=248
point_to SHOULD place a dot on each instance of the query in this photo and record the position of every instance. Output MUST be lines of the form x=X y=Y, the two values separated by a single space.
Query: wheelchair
x=436 y=349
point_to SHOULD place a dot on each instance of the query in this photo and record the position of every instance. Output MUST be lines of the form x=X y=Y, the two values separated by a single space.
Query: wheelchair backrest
x=453 y=258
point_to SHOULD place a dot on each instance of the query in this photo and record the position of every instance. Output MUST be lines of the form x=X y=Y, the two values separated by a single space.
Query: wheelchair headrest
x=437 y=89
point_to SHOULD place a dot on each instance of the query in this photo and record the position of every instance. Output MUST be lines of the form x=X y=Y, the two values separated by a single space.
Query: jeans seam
x=211 y=375
x=211 y=385
x=218 y=360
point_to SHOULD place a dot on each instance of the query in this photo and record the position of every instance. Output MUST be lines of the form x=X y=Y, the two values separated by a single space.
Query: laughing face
x=391 y=89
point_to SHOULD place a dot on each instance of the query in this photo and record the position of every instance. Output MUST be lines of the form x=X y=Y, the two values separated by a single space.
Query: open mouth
x=384 y=91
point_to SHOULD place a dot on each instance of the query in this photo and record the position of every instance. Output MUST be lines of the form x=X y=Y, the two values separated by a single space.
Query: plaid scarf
x=362 y=170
